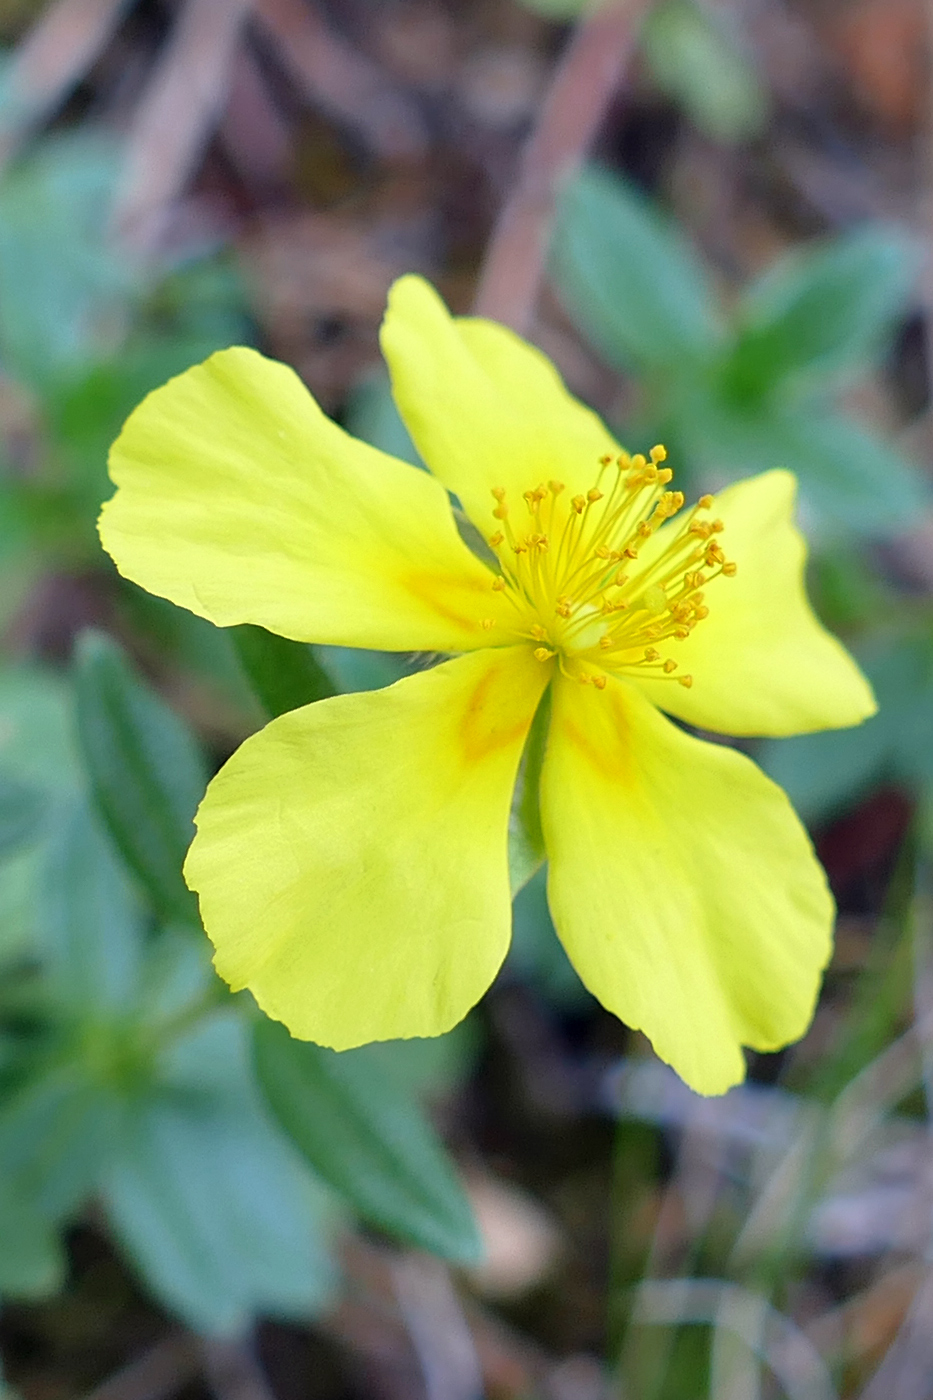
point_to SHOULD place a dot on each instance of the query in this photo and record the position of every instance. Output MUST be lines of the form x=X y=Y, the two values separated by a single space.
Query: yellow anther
x=488 y=623
x=620 y=578
x=651 y=654
x=682 y=633
x=605 y=642
x=659 y=453
x=599 y=682
x=594 y=495
x=539 y=633
x=623 y=461
x=730 y=568
x=579 y=504
x=601 y=552
x=542 y=654
x=704 y=502
x=686 y=681
x=700 y=613
x=665 y=475
x=501 y=511
x=644 y=530
x=670 y=665
x=629 y=552
x=499 y=492
x=555 y=487
x=498 y=584
x=717 y=527
x=496 y=539
x=604 y=461
x=639 y=462
x=714 y=554
x=694 y=580
x=564 y=607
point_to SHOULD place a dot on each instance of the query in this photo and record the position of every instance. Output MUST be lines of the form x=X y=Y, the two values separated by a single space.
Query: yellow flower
x=351 y=858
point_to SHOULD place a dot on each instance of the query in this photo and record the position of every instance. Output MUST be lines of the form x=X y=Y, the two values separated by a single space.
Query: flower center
x=589 y=582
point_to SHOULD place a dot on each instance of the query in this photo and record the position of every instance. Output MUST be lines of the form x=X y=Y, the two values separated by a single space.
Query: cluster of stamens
x=574 y=579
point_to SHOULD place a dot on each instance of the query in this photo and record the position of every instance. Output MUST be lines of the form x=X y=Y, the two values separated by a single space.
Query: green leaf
x=215 y=1208
x=559 y=9
x=526 y=839
x=373 y=416
x=145 y=768
x=850 y=480
x=284 y=674
x=824 y=773
x=21 y=812
x=64 y=291
x=32 y=1262
x=92 y=921
x=536 y=953
x=695 y=60
x=355 y=669
x=823 y=310
x=630 y=281
x=367 y=1138
x=38 y=750
x=54 y=1135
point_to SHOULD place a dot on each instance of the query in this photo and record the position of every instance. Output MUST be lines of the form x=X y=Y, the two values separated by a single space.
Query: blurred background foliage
x=191 y=1202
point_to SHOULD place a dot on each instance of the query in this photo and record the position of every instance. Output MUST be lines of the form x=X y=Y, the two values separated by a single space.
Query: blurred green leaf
x=216 y=1210
x=537 y=954
x=633 y=285
x=822 y=310
x=373 y=416
x=145 y=769
x=696 y=61
x=38 y=750
x=92 y=921
x=21 y=812
x=352 y=668
x=367 y=1138
x=32 y=1262
x=824 y=773
x=55 y=1134
x=284 y=674
x=849 y=479
x=560 y=9
x=64 y=288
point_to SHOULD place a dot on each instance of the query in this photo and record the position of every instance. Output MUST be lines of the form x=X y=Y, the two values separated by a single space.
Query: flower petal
x=238 y=499
x=351 y=857
x=681 y=883
x=484 y=407
x=761 y=661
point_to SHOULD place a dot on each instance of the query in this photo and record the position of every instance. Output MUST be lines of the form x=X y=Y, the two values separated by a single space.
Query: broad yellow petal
x=761 y=662
x=681 y=883
x=485 y=408
x=238 y=499
x=351 y=857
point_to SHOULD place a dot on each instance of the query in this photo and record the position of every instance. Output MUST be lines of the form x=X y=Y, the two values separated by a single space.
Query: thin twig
x=341 y=81
x=232 y=1369
x=50 y=61
x=173 y=123
x=584 y=82
x=160 y=1372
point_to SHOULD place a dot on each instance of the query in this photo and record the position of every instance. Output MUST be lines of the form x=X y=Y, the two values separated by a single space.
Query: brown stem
x=583 y=84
